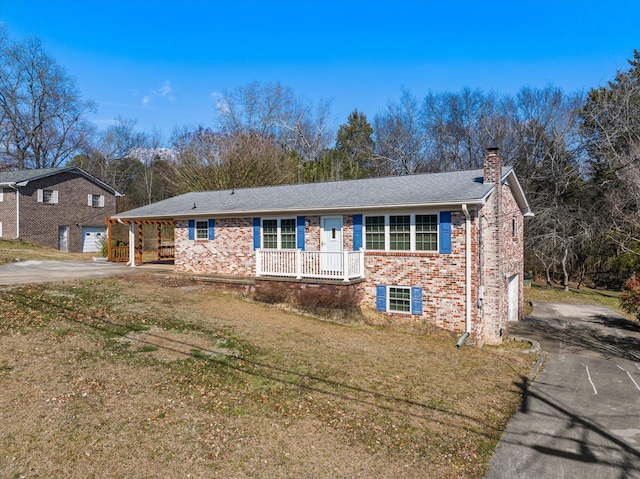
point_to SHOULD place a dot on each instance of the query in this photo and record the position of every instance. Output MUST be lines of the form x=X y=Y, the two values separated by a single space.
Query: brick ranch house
x=63 y=208
x=445 y=247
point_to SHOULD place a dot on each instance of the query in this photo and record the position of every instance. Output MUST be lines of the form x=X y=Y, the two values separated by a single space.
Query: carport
x=125 y=254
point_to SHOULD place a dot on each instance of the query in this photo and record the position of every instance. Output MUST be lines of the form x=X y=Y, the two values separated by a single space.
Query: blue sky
x=163 y=62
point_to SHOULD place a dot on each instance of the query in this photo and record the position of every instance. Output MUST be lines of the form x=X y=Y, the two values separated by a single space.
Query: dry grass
x=11 y=251
x=146 y=376
x=556 y=294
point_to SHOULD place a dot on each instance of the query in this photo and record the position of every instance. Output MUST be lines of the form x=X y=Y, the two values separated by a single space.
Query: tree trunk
x=565 y=281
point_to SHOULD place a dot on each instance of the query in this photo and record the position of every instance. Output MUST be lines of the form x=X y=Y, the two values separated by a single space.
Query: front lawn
x=148 y=376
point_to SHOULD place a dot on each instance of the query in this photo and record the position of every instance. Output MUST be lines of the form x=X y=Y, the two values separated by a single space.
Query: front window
x=408 y=232
x=270 y=234
x=399 y=299
x=202 y=230
x=400 y=232
x=288 y=234
x=427 y=232
x=279 y=233
x=375 y=232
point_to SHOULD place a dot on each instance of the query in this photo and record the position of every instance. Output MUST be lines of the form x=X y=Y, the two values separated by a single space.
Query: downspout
x=467 y=267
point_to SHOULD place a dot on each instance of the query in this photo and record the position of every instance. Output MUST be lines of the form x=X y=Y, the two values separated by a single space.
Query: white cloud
x=165 y=91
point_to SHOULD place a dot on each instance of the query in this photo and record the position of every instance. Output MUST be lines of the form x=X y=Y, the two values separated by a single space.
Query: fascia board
x=314 y=211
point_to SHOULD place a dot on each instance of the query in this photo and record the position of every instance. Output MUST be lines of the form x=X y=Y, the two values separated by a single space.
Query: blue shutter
x=300 y=232
x=357 y=232
x=445 y=232
x=192 y=229
x=256 y=233
x=416 y=300
x=381 y=297
x=211 y=229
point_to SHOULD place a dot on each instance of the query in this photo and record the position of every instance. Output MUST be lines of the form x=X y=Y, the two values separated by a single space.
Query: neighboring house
x=443 y=247
x=63 y=208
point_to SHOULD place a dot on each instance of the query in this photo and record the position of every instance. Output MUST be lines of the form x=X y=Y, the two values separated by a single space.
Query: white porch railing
x=295 y=263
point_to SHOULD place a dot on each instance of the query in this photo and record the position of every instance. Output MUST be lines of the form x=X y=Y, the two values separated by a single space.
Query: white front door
x=513 y=298
x=331 y=243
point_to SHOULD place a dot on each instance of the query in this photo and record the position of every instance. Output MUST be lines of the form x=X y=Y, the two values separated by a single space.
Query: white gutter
x=308 y=211
x=467 y=262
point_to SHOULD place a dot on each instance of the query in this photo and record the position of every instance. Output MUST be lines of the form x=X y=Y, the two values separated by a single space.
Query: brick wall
x=231 y=252
x=8 y=216
x=442 y=277
x=39 y=222
x=503 y=258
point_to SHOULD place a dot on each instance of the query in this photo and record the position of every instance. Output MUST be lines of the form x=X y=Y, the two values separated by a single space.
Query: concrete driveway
x=580 y=418
x=34 y=271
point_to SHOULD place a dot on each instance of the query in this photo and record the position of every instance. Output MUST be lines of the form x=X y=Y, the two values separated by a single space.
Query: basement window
x=399 y=299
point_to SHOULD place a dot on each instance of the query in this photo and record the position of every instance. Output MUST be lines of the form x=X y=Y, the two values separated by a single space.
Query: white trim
x=279 y=232
x=389 y=310
x=0 y=229
x=1 y=194
x=412 y=231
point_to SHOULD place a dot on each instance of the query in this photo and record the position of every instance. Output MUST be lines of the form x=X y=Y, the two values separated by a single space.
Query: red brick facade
x=39 y=222
x=496 y=242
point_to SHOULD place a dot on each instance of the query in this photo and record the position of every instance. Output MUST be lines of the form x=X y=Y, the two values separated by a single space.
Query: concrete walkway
x=580 y=418
x=35 y=271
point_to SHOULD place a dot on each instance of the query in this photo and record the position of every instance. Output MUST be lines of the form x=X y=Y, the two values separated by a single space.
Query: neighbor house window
x=426 y=232
x=374 y=232
x=47 y=196
x=399 y=299
x=96 y=201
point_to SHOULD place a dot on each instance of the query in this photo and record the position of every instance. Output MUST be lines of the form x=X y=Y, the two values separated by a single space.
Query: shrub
x=271 y=294
x=630 y=297
x=328 y=300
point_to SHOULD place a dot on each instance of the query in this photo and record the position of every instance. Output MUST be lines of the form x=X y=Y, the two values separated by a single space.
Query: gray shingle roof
x=452 y=188
x=18 y=176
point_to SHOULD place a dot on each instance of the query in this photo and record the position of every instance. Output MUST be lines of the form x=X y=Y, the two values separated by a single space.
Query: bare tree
x=41 y=111
x=611 y=131
x=275 y=112
x=206 y=160
x=399 y=138
x=460 y=126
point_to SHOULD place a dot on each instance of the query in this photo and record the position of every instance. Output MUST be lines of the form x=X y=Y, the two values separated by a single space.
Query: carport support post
x=132 y=244
x=159 y=240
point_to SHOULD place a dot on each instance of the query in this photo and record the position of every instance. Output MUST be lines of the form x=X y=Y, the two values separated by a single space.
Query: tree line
x=576 y=155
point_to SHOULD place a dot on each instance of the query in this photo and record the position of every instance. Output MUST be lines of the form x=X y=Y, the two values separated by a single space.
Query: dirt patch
x=170 y=345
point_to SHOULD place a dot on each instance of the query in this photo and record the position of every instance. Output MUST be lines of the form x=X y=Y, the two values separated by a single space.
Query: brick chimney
x=492 y=166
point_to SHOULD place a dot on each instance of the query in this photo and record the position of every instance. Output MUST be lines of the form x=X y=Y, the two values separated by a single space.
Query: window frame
x=391 y=236
x=290 y=235
x=47 y=196
x=95 y=201
x=405 y=300
x=198 y=231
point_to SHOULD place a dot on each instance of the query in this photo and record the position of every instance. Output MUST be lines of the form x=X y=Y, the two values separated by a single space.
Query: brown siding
x=39 y=222
x=8 y=213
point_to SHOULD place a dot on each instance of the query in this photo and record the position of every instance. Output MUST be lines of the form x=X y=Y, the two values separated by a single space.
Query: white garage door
x=92 y=239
